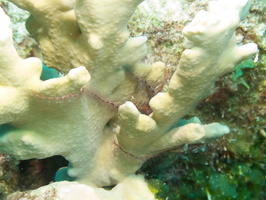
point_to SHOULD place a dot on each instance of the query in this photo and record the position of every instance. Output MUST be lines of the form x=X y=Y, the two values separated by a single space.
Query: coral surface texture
x=93 y=101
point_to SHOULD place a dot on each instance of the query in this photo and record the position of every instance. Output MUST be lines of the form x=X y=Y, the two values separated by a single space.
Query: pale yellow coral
x=91 y=114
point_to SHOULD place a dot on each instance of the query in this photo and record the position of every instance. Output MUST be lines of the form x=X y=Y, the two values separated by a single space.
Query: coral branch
x=90 y=114
x=200 y=66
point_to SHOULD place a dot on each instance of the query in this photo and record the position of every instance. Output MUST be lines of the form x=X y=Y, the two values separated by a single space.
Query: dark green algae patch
x=208 y=174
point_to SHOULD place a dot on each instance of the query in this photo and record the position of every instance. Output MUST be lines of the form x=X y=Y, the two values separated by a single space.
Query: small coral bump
x=137 y=41
x=128 y=111
x=248 y=50
x=215 y=130
x=95 y=41
x=80 y=75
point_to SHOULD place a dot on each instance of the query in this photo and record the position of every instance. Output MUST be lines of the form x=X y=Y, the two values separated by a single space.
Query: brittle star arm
x=211 y=52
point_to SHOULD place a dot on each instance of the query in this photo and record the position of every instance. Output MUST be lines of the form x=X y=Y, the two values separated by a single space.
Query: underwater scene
x=139 y=100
